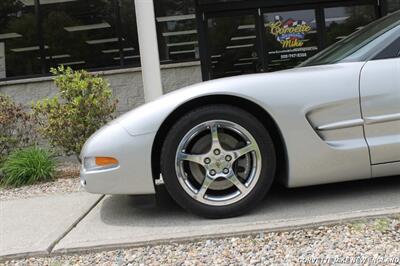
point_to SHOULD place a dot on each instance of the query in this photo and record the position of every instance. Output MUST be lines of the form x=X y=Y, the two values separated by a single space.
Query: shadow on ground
x=280 y=203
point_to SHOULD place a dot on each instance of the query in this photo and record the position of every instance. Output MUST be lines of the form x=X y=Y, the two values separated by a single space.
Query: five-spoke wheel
x=228 y=153
x=218 y=161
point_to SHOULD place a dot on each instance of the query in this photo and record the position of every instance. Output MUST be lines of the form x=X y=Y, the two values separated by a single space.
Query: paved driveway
x=117 y=222
x=45 y=223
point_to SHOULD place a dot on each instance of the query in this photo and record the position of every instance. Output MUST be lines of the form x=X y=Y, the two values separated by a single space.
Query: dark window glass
x=129 y=35
x=342 y=21
x=89 y=33
x=360 y=43
x=203 y=2
x=392 y=51
x=19 y=49
x=392 y=5
x=177 y=30
x=291 y=38
x=232 y=42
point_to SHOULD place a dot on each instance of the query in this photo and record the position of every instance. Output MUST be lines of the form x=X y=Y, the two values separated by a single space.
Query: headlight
x=99 y=163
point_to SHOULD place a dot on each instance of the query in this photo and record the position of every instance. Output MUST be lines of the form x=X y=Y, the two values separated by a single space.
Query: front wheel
x=218 y=161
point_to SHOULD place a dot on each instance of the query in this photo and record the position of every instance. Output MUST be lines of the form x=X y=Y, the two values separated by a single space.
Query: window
x=83 y=34
x=177 y=30
x=360 y=44
x=130 y=42
x=291 y=38
x=392 y=5
x=19 y=47
x=89 y=33
x=235 y=51
x=342 y=21
x=392 y=51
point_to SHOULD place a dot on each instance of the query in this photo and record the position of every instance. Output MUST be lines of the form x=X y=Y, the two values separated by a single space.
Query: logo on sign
x=291 y=33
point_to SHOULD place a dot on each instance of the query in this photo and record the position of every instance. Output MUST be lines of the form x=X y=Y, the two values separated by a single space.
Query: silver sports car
x=219 y=145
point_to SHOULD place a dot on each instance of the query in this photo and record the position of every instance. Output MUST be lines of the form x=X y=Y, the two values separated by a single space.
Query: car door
x=380 y=106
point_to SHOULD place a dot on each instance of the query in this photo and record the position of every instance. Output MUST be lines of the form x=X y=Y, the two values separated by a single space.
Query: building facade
x=197 y=39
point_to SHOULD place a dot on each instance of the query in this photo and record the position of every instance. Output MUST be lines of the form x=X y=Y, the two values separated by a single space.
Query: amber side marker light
x=106 y=161
x=99 y=163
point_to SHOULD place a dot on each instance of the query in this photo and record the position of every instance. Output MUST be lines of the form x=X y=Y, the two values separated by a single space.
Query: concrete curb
x=250 y=229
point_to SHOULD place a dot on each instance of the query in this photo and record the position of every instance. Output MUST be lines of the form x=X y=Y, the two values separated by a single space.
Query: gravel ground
x=372 y=242
x=67 y=181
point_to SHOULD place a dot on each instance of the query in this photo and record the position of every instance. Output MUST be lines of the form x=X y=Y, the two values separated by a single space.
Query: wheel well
x=260 y=113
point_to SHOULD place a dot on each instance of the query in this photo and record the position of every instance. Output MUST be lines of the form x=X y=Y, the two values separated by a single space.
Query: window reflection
x=100 y=34
x=235 y=51
x=392 y=5
x=177 y=30
x=19 y=45
x=342 y=21
x=88 y=34
x=129 y=45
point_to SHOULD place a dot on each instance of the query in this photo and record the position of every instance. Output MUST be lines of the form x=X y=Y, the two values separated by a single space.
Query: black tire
x=218 y=112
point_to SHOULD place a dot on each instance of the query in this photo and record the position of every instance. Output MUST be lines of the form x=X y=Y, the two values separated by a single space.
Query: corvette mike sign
x=293 y=40
x=290 y=33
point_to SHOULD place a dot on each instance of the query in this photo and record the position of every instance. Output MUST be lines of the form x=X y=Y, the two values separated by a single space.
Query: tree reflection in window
x=342 y=21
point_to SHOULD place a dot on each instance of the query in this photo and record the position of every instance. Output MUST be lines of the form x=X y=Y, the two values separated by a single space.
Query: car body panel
x=386 y=169
x=294 y=99
x=132 y=175
x=302 y=101
x=380 y=101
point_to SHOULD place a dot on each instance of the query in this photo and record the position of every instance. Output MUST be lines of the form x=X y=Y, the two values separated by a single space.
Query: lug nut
x=207 y=160
x=226 y=171
x=213 y=172
x=217 y=151
x=228 y=158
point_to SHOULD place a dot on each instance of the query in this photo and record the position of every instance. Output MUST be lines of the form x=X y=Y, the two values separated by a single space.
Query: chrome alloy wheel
x=218 y=162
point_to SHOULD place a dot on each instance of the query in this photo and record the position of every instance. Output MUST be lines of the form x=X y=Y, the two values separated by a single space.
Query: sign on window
x=291 y=37
x=290 y=33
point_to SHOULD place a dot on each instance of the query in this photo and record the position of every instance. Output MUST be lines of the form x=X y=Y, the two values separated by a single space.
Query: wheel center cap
x=218 y=163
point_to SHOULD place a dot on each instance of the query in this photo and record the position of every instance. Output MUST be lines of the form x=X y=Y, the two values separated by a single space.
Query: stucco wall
x=126 y=84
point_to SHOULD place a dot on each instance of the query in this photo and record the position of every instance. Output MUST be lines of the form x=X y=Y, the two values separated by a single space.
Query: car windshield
x=346 y=47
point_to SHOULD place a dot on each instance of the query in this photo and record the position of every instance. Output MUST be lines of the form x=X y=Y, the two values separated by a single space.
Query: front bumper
x=133 y=175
